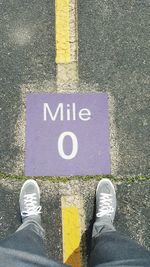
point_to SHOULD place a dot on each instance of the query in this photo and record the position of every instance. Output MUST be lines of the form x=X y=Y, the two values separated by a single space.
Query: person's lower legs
x=107 y=244
x=113 y=246
x=28 y=238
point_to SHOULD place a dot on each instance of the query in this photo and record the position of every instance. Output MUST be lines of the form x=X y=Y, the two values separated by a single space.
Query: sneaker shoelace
x=31 y=208
x=105 y=205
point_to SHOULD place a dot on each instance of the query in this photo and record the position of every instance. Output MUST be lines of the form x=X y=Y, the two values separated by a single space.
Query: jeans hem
x=33 y=226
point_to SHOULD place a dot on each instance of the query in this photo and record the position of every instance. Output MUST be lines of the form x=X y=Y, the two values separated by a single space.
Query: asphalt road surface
x=113 y=39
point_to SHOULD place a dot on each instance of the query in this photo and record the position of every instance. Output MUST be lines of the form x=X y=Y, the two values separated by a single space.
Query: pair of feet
x=30 y=201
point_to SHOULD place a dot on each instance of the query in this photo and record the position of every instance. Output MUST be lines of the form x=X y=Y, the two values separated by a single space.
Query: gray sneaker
x=105 y=201
x=29 y=201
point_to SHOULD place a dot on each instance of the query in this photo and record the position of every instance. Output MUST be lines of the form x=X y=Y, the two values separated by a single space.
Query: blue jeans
x=112 y=248
x=109 y=249
x=28 y=238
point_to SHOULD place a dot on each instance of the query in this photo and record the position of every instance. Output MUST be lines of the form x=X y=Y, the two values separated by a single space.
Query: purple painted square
x=67 y=134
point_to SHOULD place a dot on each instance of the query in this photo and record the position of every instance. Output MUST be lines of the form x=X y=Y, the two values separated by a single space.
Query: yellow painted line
x=62 y=24
x=71 y=235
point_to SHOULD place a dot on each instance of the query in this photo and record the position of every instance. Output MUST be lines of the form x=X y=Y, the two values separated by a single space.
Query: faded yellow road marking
x=71 y=225
x=62 y=31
